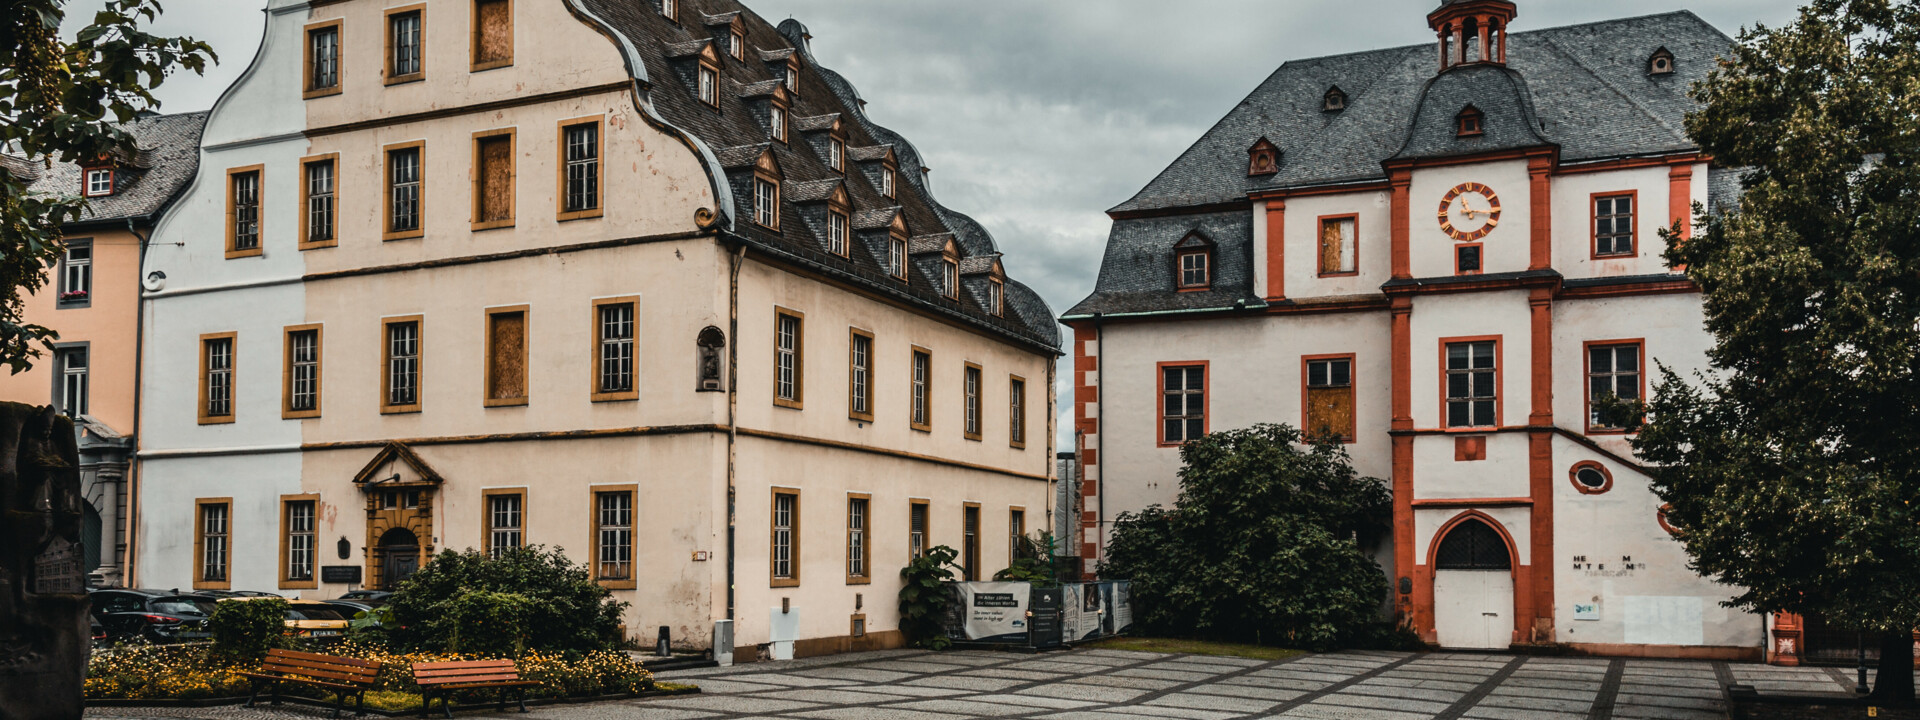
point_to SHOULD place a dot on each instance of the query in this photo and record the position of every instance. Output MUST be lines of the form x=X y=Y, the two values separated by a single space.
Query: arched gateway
x=1473 y=587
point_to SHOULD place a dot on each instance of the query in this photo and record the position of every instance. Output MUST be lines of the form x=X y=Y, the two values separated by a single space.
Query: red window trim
x=1499 y=382
x=1320 y=227
x=1456 y=258
x=1586 y=387
x=1593 y=225
x=1160 y=399
x=1179 y=273
x=1573 y=476
x=1352 y=434
x=112 y=177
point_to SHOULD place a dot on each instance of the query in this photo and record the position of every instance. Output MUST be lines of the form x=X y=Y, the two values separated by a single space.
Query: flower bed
x=194 y=672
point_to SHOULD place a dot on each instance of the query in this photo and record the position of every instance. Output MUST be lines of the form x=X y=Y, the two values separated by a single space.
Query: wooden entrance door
x=399 y=555
x=1473 y=588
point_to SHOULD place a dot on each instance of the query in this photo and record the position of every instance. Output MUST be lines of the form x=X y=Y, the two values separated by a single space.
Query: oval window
x=1591 y=477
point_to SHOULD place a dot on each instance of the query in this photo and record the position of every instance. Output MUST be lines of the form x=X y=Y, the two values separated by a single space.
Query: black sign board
x=340 y=574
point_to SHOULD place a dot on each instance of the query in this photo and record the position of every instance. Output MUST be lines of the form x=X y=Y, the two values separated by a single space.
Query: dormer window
x=792 y=78
x=1470 y=122
x=950 y=277
x=670 y=9
x=1263 y=158
x=766 y=203
x=1661 y=63
x=897 y=256
x=777 y=121
x=837 y=232
x=997 y=297
x=98 y=183
x=709 y=85
x=886 y=181
x=1194 y=270
x=1193 y=262
x=738 y=45
x=837 y=154
x=1334 y=101
x=766 y=191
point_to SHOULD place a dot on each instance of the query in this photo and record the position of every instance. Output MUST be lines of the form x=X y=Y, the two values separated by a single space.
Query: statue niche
x=708 y=359
x=44 y=638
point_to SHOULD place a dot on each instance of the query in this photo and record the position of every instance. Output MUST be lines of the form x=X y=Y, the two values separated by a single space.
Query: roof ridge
x=1520 y=34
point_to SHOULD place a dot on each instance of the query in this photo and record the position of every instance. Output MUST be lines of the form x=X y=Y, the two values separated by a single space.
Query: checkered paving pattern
x=1089 y=684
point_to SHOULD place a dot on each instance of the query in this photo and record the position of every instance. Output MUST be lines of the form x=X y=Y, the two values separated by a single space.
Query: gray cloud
x=1038 y=116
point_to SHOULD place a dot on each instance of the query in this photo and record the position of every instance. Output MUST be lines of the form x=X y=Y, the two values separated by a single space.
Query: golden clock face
x=1469 y=211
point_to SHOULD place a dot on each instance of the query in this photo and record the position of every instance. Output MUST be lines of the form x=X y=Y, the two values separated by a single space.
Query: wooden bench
x=344 y=676
x=446 y=678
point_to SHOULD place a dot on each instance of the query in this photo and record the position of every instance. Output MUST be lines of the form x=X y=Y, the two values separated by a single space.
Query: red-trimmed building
x=1441 y=253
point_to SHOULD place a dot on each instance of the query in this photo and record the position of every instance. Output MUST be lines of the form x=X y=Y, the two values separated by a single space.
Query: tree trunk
x=1893 y=687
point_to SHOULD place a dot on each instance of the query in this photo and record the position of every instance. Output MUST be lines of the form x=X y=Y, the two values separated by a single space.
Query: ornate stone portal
x=400 y=489
x=43 y=596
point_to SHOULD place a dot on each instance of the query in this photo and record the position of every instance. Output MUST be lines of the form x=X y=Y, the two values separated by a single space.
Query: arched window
x=1471 y=545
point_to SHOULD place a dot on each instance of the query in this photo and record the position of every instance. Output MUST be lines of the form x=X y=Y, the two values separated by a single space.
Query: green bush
x=1033 y=562
x=248 y=628
x=555 y=605
x=925 y=596
x=488 y=622
x=1271 y=539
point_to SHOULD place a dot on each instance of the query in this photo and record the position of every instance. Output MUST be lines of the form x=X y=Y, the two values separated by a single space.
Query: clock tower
x=1472 y=31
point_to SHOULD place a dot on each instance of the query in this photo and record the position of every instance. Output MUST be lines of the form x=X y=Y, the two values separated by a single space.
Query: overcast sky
x=1037 y=116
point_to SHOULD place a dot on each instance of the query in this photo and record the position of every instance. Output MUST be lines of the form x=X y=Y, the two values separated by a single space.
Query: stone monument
x=44 y=638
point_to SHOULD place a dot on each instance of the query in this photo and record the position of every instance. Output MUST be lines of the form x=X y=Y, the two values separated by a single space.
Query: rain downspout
x=131 y=518
x=1100 y=439
x=733 y=404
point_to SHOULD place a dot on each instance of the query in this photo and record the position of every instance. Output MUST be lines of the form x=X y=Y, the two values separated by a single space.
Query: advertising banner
x=1122 y=605
x=994 y=611
x=1093 y=611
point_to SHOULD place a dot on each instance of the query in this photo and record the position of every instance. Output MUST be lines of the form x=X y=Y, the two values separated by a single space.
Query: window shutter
x=1330 y=410
x=507 y=356
x=493 y=32
x=496 y=178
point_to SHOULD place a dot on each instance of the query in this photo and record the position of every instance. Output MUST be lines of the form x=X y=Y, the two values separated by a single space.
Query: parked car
x=237 y=593
x=349 y=608
x=374 y=598
x=160 y=616
x=309 y=618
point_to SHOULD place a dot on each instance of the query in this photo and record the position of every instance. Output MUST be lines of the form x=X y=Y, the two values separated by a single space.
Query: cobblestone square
x=1098 y=683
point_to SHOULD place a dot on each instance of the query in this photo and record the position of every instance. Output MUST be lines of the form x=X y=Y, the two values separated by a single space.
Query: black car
x=371 y=598
x=160 y=616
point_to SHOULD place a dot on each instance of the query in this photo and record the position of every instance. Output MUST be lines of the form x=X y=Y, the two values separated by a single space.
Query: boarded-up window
x=493 y=180
x=492 y=33
x=1337 y=245
x=507 y=357
x=1330 y=398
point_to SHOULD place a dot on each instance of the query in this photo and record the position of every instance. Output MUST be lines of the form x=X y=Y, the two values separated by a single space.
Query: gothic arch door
x=399 y=556
x=1473 y=587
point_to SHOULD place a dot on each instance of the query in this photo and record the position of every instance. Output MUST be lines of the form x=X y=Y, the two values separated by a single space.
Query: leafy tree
x=62 y=102
x=1270 y=538
x=925 y=597
x=1791 y=469
x=529 y=598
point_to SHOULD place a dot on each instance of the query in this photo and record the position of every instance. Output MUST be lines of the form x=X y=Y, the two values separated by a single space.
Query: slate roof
x=167 y=158
x=1583 y=89
x=1585 y=86
x=656 y=51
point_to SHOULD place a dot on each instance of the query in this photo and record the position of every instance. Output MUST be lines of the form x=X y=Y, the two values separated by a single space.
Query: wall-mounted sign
x=1586 y=611
x=349 y=574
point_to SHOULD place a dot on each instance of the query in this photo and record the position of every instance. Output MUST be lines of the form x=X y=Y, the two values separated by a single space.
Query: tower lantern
x=1472 y=31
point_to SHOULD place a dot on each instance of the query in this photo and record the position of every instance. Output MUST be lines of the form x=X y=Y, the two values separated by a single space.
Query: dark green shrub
x=1033 y=562
x=557 y=605
x=925 y=596
x=492 y=623
x=248 y=628
x=1271 y=540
